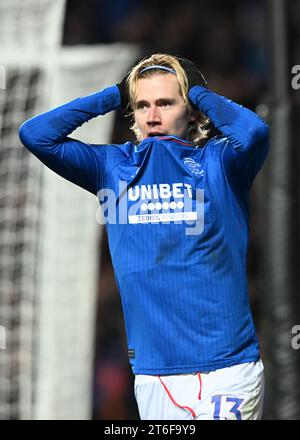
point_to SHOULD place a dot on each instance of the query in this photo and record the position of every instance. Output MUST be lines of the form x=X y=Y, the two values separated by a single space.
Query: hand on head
x=194 y=76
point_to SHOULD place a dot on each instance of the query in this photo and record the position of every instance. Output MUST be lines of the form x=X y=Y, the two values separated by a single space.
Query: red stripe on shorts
x=174 y=401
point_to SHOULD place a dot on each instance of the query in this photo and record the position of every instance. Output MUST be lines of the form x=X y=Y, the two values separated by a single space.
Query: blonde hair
x=197 y=128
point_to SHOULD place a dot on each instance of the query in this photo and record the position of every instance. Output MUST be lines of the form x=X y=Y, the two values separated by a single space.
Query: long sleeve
x=46 y=136
x=246 y=132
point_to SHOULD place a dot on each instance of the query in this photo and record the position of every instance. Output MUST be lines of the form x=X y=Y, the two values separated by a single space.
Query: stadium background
x=247 y=50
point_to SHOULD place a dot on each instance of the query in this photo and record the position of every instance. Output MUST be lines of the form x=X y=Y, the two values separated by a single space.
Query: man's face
x=159 y=108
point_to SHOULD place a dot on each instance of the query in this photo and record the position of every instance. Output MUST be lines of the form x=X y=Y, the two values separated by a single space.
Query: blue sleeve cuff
x=195 y=91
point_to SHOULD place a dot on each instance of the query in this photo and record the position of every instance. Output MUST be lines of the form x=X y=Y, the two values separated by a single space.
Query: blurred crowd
x=228 y=40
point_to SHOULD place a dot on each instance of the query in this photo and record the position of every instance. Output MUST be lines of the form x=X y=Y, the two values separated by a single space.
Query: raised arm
x=241 y=126
x=46 y=136
x=246 y=132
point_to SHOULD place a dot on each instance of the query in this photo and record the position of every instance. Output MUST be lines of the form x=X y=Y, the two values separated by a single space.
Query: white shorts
x=232 y=393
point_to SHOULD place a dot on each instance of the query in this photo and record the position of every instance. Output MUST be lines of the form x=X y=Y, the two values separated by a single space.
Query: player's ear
x=192 y=115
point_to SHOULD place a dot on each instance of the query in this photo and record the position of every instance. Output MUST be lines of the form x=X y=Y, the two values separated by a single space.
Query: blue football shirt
x=177 y=219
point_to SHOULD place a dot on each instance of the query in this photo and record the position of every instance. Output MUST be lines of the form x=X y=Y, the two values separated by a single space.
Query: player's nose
x=153 y=115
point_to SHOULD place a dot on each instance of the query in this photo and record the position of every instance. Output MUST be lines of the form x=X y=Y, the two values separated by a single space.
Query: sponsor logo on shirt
x=153 y=203
x=162 y=202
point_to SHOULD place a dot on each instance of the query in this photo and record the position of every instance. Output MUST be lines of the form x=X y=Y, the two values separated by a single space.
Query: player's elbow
x=258 y=134
x=263 y=134
x=24 y=134
x=259 y=140
x=263 y=131
x=27 y=137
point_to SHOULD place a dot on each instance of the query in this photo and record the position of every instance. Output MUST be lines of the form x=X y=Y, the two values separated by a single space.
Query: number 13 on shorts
x=226 y=407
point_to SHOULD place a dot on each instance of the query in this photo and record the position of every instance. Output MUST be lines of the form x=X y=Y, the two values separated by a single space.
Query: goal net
x=49 y=237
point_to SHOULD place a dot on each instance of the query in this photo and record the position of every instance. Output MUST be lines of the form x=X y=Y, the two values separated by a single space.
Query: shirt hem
x=194 y=368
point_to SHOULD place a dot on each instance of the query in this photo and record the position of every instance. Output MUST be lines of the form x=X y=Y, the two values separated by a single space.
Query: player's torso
x=175 y=196
x=178 y=243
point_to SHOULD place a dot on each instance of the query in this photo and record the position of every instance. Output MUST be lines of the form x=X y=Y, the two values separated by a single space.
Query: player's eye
x=165 y=103
x=141 y=105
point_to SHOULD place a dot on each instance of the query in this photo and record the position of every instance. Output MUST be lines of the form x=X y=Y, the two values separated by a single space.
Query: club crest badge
x=193 y=166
